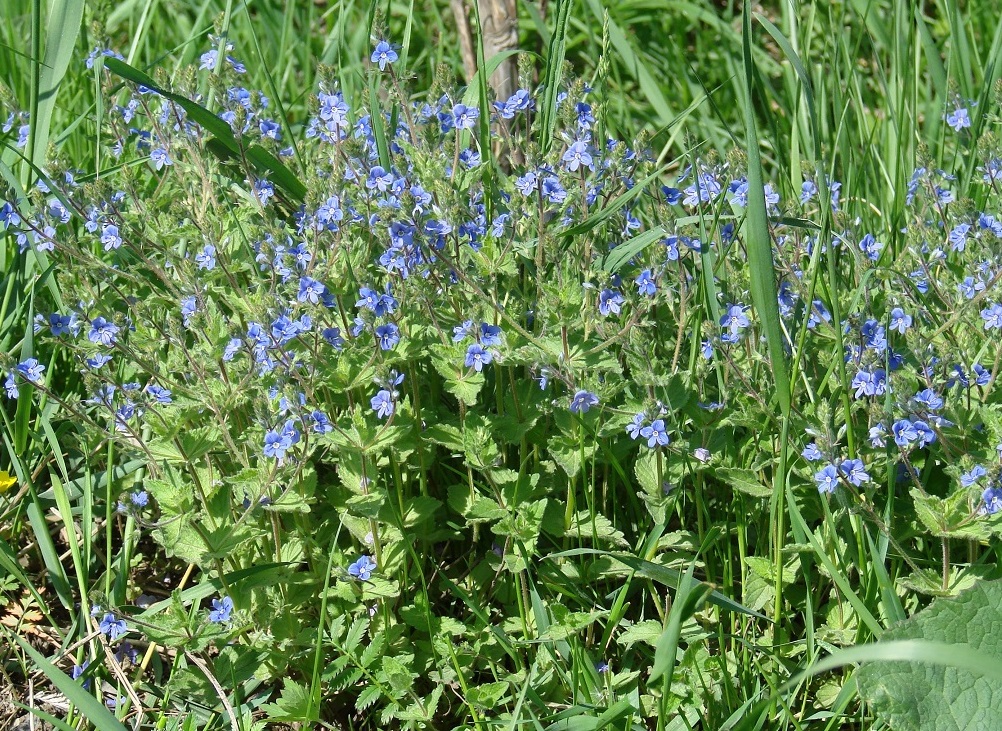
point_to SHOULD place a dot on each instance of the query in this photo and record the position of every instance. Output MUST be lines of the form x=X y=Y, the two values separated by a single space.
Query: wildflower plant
x=359 y=346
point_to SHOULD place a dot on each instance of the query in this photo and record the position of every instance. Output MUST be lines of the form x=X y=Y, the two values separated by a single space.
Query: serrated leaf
x=646 y=470
x=596 y=526
x=912 y=696
x=486 y=695
x=742 y=480
x=397 y=673
x=180 y=539
x=367 y=697
x=292 y=705
x=420 y=509
x=647 y=632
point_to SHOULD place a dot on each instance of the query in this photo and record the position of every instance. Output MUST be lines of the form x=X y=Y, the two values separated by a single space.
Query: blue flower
x=968 y=479
x=958 y=119
x=383 y=54
x=518 y=102
x=102 y=332
x=636 y=425
x=929 y=399
x=310 y=290
x=970 y=287
x=110 y=238
x=583 y=401
x=992 y=501
x=125 y=651
x=958 y=236
x=811 y=452
x=672 y=195
x=490 y=334
x=189 y=305
x=735 y=320
x=159 y=393
x=62 y=324
x=221 y=610
x=388 y=336
x=10 y=386
x=276 y=443
x=113 y=628
x=982 y=376
x=160 y=158
x=992 y=315
x=78 y=671
x=553 y=191
x=645 y=283
x=904 y=432
x=818 y=314
x=477 y=357
x=876 y=436
x=9 y=216
x=206 y=258
x=263 y=191
x=854 y=471
x=869 y=383
x=875 y=335
x=465 y=117
x=333 y=337
x=270 y=129
x=871 y=247
x=382 y=404
x=900 y=320
x=609 y=302
x=827 y=479
x=577 y=155
x=31 y=369
x=362 y=568
x=655 y=434
x=321 y=424
x=925 y=433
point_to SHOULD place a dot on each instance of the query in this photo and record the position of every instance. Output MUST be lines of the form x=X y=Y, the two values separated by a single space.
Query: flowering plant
x=365 y=335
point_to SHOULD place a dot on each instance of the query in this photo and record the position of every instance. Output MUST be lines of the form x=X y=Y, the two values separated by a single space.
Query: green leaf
x=916 y=696
x=487 y=695
x=948 y=517
x=63 y=28
x=586 y=524
x=758 y=239
x=742 y=480
x=616 y=258
x=647 y=631
x=292 y=705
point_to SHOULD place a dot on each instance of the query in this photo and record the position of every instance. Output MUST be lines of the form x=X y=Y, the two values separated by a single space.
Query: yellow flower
x=6 y=481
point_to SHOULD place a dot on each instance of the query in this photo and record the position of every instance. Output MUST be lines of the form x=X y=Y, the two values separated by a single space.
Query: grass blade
x=63 y=28
x=553 y=74
x=759 y=241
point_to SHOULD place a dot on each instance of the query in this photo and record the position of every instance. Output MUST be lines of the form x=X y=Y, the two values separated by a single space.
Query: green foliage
x=909 y=696
x=533 y=565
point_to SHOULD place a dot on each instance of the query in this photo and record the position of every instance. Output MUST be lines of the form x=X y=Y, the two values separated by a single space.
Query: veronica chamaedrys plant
x=425 y=372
